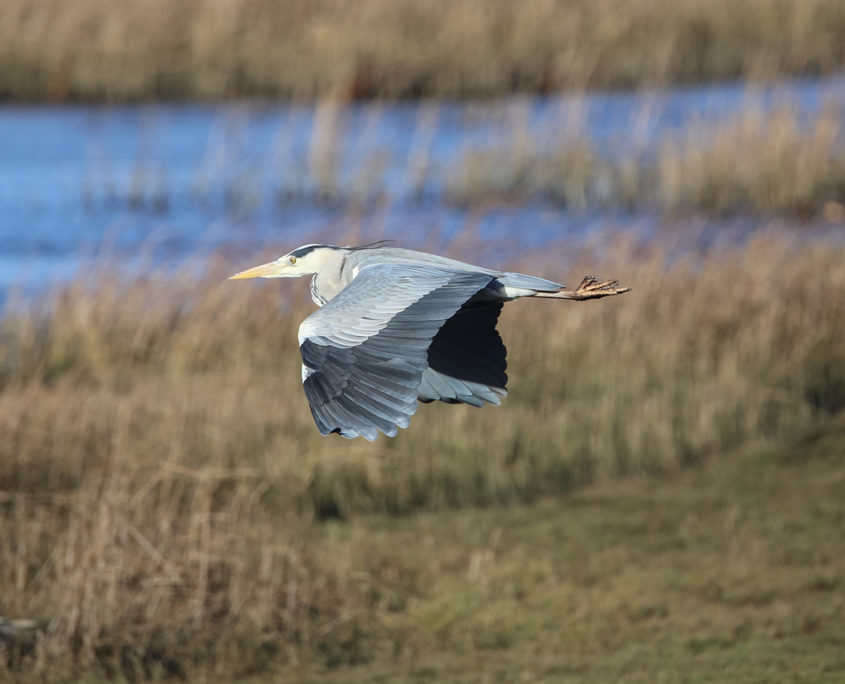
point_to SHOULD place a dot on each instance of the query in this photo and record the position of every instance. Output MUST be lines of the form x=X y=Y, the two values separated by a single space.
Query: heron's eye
x=292 y=261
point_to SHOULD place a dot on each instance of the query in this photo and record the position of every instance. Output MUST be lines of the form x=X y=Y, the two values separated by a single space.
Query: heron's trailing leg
x=592 y=287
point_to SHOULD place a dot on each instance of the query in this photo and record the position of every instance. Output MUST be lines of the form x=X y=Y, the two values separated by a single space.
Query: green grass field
x=730 y=572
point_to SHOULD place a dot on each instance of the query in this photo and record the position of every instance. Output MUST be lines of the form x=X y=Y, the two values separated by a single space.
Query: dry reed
x=160 y=472
x=754 y=162
x=144 y=49
x=757 y=161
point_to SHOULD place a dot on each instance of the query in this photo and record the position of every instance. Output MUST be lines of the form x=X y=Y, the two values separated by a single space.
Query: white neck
x=330 y=280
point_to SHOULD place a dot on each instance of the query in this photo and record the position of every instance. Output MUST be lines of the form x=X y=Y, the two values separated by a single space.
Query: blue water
x=182 y=180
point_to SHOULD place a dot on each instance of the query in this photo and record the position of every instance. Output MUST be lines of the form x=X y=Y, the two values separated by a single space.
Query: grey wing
x=467 y=359
x=364 y=353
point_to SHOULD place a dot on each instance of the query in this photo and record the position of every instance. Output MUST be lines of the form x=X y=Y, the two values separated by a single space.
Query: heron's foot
x=593 y=287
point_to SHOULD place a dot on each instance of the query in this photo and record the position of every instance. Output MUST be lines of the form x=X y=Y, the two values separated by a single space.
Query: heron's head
x=305 y=260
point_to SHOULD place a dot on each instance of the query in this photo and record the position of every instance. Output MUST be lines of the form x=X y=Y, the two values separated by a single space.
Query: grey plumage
x=366 y=377
x=397 y=326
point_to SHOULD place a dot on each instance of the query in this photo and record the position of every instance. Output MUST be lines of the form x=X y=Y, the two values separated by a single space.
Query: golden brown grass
x=142 y=49
x=763 y=162
x=161 y=478
x=756 y=161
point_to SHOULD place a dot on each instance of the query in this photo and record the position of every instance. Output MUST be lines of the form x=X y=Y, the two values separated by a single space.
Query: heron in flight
x=396 y=326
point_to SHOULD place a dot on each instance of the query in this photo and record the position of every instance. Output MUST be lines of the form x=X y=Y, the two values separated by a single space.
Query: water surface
x=182 y=180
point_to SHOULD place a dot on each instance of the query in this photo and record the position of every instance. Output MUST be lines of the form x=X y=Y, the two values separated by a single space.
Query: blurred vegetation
x=98 y=50
x=791 y=162
x=162 y=484
x=754 y=162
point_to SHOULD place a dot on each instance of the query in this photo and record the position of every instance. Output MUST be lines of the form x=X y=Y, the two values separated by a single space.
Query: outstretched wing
x=365 y=351
x=466 y=359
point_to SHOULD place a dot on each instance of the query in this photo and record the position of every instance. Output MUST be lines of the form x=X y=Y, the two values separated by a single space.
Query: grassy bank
x=162 y=483
x=728 y=573
x=149 y=49
x=732 y=573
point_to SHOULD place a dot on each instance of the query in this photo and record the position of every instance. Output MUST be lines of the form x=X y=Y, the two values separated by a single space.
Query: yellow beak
x=270 y=269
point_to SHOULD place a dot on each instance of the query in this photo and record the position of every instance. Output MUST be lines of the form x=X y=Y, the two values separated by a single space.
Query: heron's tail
x=520 y=281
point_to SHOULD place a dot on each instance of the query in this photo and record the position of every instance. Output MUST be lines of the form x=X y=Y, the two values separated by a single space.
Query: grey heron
x=397 y=326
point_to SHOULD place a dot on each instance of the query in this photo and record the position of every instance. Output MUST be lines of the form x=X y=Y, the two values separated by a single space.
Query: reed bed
x=758 y=161
x=162 y=482
x=151 y=49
